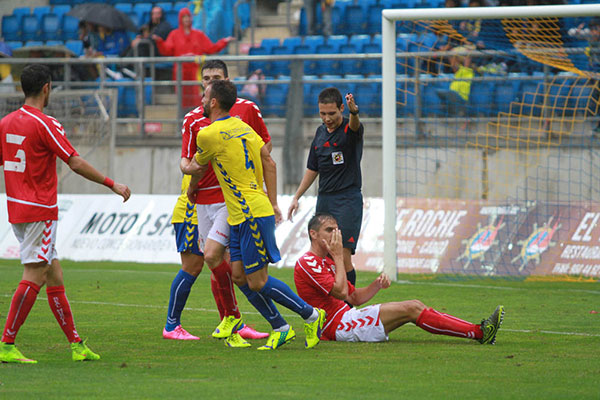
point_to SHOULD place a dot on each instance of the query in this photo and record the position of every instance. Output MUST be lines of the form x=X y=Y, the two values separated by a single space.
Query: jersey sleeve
x=313 y=162
x=315 y=274
x=358 y=134
x=206 y=147
x=257 y=123
x=188 y=142
x=55 y=138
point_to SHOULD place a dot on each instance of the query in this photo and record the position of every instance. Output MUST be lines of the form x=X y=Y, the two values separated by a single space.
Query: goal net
x=89 y=120
x=491 y=161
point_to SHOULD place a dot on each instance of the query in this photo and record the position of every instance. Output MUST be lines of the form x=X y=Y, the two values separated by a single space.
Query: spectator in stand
x=158 y=26
x=456 y=98
x=310 y=7
x=186 y=41
x=111 y=43
x=254 y=91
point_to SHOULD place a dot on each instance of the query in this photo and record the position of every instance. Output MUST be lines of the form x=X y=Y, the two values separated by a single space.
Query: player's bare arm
x=81 y=167
x=354 y=123
x=336 y=251
x=183 y=164
x=362 y=295
x=193 y=168
x=270 y=178
x=307 y=180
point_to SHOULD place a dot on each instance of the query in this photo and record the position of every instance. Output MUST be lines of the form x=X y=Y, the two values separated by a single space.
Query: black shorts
x=347 y=208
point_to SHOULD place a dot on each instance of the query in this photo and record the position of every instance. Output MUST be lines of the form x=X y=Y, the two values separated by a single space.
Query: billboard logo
x=480 y=242
x=538 y=242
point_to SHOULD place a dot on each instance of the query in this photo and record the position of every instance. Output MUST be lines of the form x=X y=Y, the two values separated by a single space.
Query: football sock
x=264 y=306
x=21 y=304
x=214 y=287
x=57 y=299
x=351 y=276
x=222 y=275
x=283 y=328
x=314 y=316
x=180 y=290
x=444 y=324
x=280 y=292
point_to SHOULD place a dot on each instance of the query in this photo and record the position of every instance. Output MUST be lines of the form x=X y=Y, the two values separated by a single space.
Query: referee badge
x=337 y=157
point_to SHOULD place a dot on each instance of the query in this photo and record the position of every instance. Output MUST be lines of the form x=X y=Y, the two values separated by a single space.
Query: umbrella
x=103 y=14
x=42 y=51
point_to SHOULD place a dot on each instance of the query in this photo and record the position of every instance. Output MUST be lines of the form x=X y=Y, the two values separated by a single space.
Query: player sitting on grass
x=321 y=281
x=30 y=142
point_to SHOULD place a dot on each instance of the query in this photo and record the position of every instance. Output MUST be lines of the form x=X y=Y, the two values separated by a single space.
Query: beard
x=206 y=112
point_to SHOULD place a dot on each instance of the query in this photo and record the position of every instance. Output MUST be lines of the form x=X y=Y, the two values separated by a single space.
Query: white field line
x=104 y=303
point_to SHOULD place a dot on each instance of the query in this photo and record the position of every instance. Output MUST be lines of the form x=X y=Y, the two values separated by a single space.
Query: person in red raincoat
x=186 y=41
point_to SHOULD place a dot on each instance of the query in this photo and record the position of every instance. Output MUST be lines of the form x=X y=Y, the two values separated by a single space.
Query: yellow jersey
x=184 y=211
x=234 y=149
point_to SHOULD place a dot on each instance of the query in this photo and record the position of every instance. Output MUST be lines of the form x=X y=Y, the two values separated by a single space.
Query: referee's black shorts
x=347 y=208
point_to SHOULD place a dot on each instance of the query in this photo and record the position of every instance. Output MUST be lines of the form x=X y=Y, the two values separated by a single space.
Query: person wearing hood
x=186 y=41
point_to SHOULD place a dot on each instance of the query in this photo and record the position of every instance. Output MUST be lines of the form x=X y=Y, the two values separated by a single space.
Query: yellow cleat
x=313 y=330
x=278 y=339
x=10 y=354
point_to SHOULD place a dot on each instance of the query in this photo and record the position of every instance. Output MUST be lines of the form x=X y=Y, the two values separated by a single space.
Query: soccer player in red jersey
x=30 y=141
x=212 y=227
x=321 y=281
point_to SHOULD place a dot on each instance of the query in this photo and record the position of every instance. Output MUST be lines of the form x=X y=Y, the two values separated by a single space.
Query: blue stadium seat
x=280 y=67
x=371 y=66
x=532 y=98
x=505 y=94
x=338 y=23
x=11 y=28
x=55 y=43
x=350 y=66
x=310 y=104
x=76 y=46
x=369 y=95
x=135 y=18
x=343 y=87
x=143 y=12
x=336 y=41
x=325 y=65
x=50 y=28
x=431 y=104
x=124 y=7
x=61 y=10
x=291 y=42
x=355 y=19
x=310 y=66
x=313 y=41
x=359 y=41
x=269 y=43
x=33 y=43
x=374 y=18
x=262 y=65
x=405 y=98
x=179 y=5
x=40 y=11
x=14 y=44
x=479 y=98
x=173 y=18
x=30 y=27
x=21 y=11
x=580 y=98
x=70 y=28
x=165 y=5
x=276 y=98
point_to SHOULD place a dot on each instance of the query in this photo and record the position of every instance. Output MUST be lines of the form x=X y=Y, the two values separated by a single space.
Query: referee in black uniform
x=335 y=155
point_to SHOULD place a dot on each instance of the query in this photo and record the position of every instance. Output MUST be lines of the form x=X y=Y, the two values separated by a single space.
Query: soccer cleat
x=490 y=326
x=278 y=339
x=236 y=340
x=313 y=330
x=249 y=333
x=83 y=353
x=179 y=334
x=10 y=354
x=227 y=327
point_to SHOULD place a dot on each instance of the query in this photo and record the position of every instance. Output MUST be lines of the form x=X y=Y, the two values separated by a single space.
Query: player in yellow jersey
x=241 y=161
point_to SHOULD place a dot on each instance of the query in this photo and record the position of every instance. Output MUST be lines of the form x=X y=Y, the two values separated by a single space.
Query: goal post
x=523 y=44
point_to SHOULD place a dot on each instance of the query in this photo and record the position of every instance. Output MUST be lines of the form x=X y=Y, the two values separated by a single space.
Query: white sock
x=314 y=316
x=283 y=328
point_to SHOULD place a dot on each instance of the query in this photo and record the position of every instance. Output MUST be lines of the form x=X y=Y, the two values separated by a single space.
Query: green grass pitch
x=548 y=347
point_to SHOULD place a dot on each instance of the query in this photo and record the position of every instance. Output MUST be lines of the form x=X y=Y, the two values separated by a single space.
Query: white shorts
x=361 y=325
x=37 y=241
x=212 y=223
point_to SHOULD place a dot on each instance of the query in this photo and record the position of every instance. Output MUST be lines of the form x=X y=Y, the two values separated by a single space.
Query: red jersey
x=209 y=189
x=29 y=143
x=314 y=277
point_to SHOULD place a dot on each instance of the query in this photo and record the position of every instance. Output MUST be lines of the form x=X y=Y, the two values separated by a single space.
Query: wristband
x=108 y=182
x=353 y=113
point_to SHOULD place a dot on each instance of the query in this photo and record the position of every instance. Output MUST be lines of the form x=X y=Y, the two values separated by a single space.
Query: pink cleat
x=179 y=334
x=248 y=333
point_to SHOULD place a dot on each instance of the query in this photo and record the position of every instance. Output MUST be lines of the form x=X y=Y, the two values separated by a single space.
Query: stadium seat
x=173 y=18
x=325 y=64
x=30 y=27
x=359 y=41
x=135 y=18
x=310 y=104
x=369 y=95
x=269 y=43
x=310 y=66
x=280 y=67
x=354 y=17
x=338 y=24
x=11 y=28
x=20 y=12
x=40 y=11
x=276 y=98
x=33 y=43
x=291 y=42
x=76 y=46
x=61 y=10
x=350 y=66
x=371 y=66
x=55 y=43
x=124 y=7
x=14 y=44
x=505 y=94
x=374 y=18
x=313 y=41
x=262 y=65
x=405 y=98
x=143 y=12
x=336 y=41
x=50 y=28
x=179 y=5
x=70 y=28
x=479 y=98
x=165 y=5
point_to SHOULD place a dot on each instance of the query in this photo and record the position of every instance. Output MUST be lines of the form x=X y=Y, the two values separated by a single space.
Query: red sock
x=222 y=275
x=214 y=286
x=22 y=301
x=444 y=324
x=62 y=311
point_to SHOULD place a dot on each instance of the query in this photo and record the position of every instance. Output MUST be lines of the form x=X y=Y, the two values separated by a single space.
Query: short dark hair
x=330 y=95
x=317 y=220
x=33 y=79
x=216 y=64
x=225 y=92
